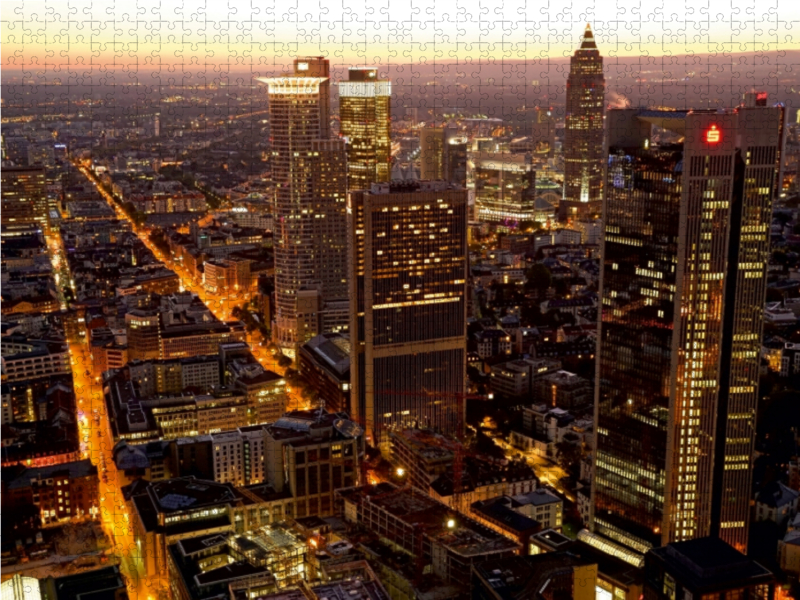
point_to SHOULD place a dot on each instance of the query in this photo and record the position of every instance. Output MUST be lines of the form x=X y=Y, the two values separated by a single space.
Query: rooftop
x=526 y=577
x=467 y=538
x=709 y=563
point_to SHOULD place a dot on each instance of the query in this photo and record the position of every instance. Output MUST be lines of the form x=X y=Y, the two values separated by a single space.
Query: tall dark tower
x=683 y=286
x=583 y=140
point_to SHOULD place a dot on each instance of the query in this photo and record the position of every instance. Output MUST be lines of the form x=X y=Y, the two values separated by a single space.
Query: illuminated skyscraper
x=583 y=136
x=505 y=188
x=364 y=109
x=683 y=287
x=309 y=173
x=408 y=273
x=24 y=200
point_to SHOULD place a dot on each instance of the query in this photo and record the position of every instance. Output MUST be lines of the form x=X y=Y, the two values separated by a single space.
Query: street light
x=451 y=523
x=400 y=471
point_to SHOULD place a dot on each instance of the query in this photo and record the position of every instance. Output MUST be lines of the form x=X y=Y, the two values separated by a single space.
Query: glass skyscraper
x=364 y=110
x=683 y=287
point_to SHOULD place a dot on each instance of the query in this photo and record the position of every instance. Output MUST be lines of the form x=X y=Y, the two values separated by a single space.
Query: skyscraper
x=310 y=186
x=431 y=153
x=443 y=155
x=683 y=287
x=408 y=273
x=364 y=110
x=583 y=136
x=24 y=200
x=505 y=188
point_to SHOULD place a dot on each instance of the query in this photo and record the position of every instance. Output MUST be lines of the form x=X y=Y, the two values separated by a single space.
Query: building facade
x=408 y=262
x=683 y=288
x=24 y=200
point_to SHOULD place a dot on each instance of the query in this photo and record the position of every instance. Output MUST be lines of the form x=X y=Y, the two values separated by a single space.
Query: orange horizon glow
x=118 y=39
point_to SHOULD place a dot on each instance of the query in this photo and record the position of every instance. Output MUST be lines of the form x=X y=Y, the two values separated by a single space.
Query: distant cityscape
x=333 y=331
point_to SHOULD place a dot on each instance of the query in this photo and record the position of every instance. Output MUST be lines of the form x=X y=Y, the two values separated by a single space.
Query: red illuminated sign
x=712 y=135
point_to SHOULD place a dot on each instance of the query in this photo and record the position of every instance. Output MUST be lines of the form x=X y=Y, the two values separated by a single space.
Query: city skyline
x=409 y=300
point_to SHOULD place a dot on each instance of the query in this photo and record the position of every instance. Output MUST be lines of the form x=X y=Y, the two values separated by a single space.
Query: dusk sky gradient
x=48 y=37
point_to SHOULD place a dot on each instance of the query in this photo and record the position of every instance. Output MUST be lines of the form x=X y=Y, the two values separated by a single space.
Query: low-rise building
x=450 y=543
x=515 y=379
x=493 y=342
x=64 y=492
x=704 y=568
x=554 y=575
x=253 y=563
x=563 y=389
x=164 y=512
x=777 y=502
x=311 y=454
x=24 y=358
x=324 y=362
x=789 y=548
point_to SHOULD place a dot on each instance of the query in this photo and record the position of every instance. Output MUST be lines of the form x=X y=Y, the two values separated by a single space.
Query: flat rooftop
x=467 y=538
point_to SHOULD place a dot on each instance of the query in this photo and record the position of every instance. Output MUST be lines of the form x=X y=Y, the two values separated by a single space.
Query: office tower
x=583 y=136
x=24 y=200
x=683 y=287
x=431 y=153
x=408 y=272
x=364 y=110
x=443 y=155
x=455 y=159
x=505 y=188
x=308 y=169
x=330 y=235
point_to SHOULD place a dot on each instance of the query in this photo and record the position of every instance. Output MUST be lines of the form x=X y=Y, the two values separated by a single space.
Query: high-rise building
x=408 y=272
x=443 y=155
x=583 y=136
x=364 y=110
x=330 y=227
x=683 y=287
x=24 y=200
x=308 y=169
x=431 y=153
x=505 y=188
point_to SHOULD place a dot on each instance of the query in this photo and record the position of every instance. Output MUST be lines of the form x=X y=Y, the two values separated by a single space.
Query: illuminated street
x=96 y=445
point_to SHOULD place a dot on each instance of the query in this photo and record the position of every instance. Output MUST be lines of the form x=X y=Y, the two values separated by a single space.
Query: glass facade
x=365 y=109
x=683 y=287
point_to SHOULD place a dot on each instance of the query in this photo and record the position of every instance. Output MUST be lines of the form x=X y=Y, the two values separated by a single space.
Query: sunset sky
x=49 y=36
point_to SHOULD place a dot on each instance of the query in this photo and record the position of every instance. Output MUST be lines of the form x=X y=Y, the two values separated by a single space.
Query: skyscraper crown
x=588 y=39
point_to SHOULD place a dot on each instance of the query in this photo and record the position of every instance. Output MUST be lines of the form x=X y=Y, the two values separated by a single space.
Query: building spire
x=588 y=39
